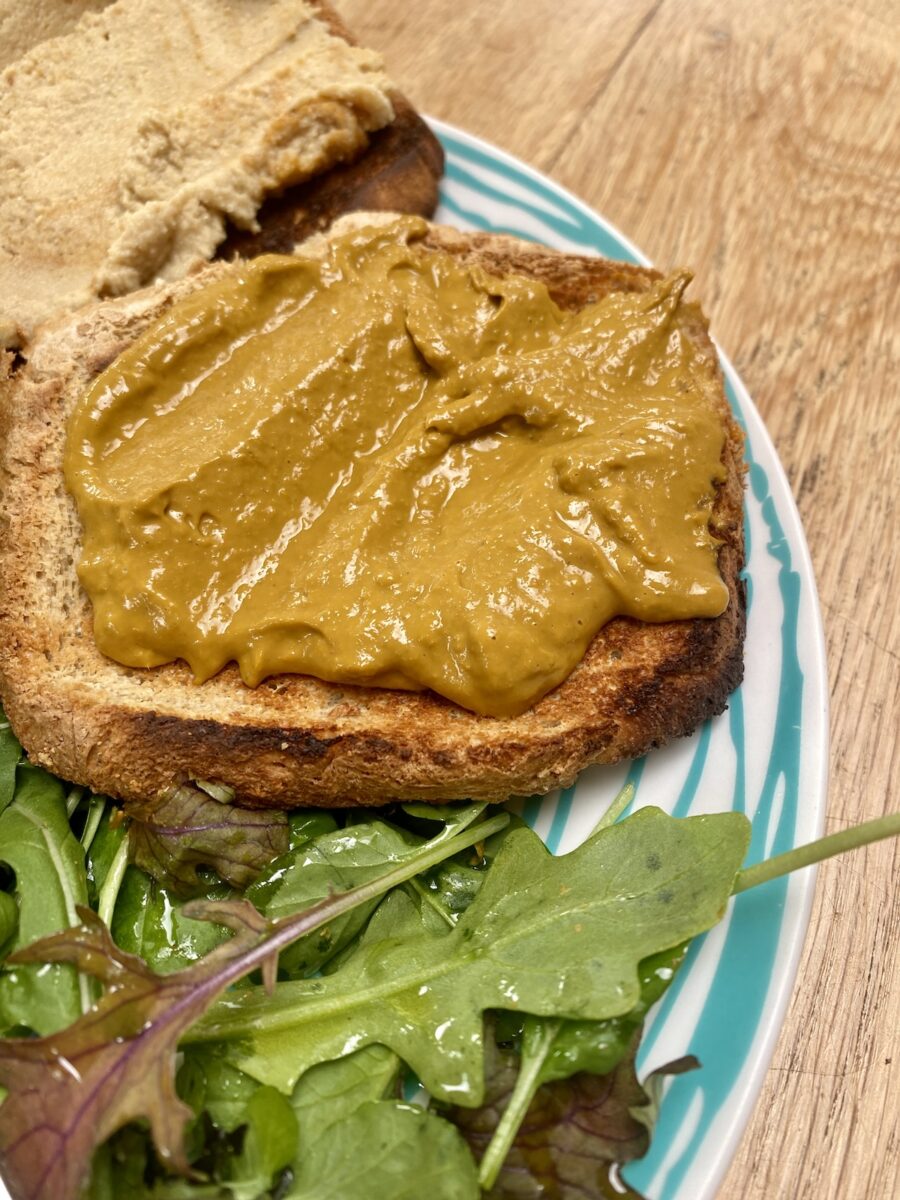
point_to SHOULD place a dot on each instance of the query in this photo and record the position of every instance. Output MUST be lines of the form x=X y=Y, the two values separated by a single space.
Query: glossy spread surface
x=381 y=467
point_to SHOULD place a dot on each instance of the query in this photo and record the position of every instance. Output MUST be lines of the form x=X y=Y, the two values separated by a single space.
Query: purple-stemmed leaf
x=576 y=1132
x=189 y=829
x=67 y=1093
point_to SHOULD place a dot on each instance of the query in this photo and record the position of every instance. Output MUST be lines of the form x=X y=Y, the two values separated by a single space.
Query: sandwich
x=269 y=737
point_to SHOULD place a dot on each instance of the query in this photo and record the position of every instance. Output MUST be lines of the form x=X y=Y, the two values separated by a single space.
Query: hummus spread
x=26 y=24
x=383 y=467
x=127 y=142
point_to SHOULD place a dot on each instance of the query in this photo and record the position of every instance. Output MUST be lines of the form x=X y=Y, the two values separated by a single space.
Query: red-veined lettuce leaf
x=575 y=1133
x=189 y=829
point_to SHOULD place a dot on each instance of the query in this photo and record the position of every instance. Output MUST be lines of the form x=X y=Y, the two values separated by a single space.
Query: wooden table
x=758 y=143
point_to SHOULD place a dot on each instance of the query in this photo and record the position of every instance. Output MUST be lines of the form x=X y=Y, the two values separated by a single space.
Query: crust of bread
x=295 y=740
x=398 y=170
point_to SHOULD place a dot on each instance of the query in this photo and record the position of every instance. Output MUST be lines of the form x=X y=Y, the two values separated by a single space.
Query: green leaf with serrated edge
x=399 y=1153
x=575 y=1131
x=187 y=829
x=149 y=921
x=10 y=757
x=597 y=1046
x=123 y=1052
x=37 y=843
x=333 y=862
x=548 y=936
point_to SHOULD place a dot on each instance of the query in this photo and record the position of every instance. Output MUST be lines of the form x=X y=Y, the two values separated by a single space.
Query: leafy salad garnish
x=259 y=1038
x=568 y=1128
x=189 y=829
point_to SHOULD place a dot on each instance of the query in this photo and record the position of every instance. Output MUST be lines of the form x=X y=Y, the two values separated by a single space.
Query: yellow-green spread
x=382 y=467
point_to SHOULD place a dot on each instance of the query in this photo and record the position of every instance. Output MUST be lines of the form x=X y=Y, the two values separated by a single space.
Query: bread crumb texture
x=134 y=131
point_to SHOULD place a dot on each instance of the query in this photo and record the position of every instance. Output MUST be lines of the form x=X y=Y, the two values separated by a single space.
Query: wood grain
x=759 y=144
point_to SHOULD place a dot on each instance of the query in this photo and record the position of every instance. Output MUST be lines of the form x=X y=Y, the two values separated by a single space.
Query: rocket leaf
x=408 y=1154
x=398 y=1151
x=336 y=861
x=574 y=1133
x=403 y=1152
x=331 y=1092
x=149 y=920
x=555 y=937
x=598 y=1046
x=37 y=843
x=189 y=829
x=69 y=1092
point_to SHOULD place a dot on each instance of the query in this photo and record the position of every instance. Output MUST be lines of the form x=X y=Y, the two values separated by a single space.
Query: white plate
x=766 y=756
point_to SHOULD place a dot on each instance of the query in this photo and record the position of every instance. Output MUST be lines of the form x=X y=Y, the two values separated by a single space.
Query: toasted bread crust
x=398 y=170
x=295 y=740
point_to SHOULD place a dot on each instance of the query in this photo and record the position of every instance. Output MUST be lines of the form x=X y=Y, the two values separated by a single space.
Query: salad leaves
x=47 y=860
x=555 y=1050
x=72 y=1090
x=529 y=941
x=573 y=1133
x=149 y=920
x=414 y=1154
x=168 y=1059
x=336 y=861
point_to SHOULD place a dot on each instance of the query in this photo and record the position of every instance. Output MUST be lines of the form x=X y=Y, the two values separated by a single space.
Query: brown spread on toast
x=297 y=740
x=382 y=467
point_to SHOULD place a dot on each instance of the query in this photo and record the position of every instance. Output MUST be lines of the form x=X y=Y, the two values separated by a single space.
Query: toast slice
x=136 y=136
x=295 y=740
